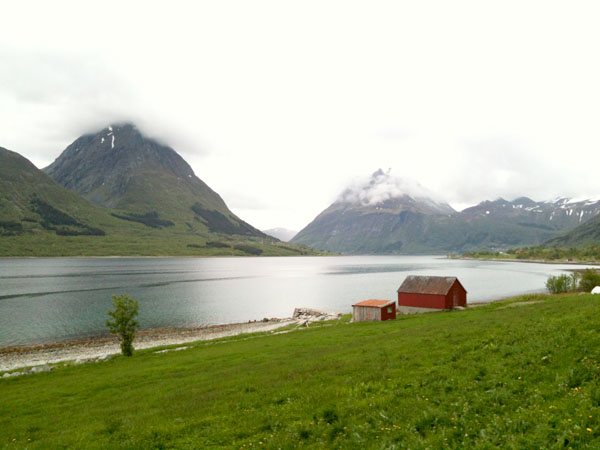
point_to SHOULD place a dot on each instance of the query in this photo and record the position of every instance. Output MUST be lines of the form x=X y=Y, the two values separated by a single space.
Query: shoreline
x=530 y=261
x=95 y=349
x=85 y=350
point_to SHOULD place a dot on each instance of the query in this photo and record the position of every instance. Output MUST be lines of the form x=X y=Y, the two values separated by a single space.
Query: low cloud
x=382 y=186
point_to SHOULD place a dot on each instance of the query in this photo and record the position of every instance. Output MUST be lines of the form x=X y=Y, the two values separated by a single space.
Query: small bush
x=123 y=321
x=561 y=283
x=589 y=280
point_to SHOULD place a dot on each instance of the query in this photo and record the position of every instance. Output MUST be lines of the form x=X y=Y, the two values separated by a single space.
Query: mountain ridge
x=40 y=217
x=399 y=222
x=119 y=168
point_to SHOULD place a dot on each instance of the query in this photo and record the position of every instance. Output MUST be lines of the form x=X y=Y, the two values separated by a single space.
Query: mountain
x=32 y=202
x=559 y=214
x=39 y=217
x=385 y=214
x=144 y=180
x=382 y=214
x=283 y=234
x=585 y=234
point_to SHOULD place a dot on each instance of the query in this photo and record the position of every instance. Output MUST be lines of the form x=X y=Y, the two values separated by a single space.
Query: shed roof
x=416 y=284
x=376 y=303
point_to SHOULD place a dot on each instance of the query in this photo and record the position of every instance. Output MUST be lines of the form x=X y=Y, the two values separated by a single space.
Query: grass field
x=522 y=373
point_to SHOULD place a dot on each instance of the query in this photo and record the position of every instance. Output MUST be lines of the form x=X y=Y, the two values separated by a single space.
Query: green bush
x=249 y=249
x=123 y=321
x=589 y=280
x=149 y=219
x=561 y=283
x=217 y=244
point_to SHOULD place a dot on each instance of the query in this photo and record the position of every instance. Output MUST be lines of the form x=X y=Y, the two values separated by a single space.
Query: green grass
x=520 y=376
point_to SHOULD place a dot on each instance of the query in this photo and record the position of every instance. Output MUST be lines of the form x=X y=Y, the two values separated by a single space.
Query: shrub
x=561 y=283
x=86 y=231
x=123 y=321
x=149 y=219
x=249 y=249
x=219 y=223
x=51 y=215
x=10 y=228
x=217 y=244
x=589 y=280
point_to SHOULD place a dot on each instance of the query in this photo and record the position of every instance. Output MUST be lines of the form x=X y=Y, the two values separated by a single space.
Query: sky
x=279 y=105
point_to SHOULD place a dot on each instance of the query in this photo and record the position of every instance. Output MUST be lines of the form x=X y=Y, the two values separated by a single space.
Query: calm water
x=49 y=299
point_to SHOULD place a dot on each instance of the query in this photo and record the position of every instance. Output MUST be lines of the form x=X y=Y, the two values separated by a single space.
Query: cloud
x=257 y=105
x=382 y=186
x=50 y=99
x=501 y=166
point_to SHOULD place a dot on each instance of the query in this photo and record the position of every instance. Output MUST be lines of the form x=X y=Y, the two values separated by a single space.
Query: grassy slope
x=144 y=242
x=494 y=376
x=586 y=234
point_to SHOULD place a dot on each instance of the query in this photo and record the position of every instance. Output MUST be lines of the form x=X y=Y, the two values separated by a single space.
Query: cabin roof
x=376 y=303
x=417 y=284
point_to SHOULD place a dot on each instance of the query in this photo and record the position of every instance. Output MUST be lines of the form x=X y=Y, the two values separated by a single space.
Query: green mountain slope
x=39 y=217
x=30 y=201
x=586 y=234
x=352 y=230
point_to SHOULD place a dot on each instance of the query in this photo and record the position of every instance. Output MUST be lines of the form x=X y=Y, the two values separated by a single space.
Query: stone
x=596 y=290
x=13 y=374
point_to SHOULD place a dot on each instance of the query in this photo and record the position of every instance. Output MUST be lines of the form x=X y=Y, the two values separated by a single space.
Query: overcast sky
x=278 y=105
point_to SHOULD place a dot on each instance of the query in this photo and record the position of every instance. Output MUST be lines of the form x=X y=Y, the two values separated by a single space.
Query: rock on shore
x=304 y=316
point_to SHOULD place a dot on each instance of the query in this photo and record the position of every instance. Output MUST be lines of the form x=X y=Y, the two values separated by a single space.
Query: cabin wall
x=456 y=296
x=422 y=300
x=388 y=312
x=365 y=314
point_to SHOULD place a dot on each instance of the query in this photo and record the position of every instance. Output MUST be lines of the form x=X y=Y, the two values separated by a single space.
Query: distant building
x=433 y=293
x=374 y=310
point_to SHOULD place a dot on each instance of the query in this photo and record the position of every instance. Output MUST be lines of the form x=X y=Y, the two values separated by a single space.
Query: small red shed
x=374 y=310
x=432 y=292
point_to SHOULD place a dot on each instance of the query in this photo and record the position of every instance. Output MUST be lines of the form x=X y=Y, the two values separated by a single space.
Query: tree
x=123 y=321
x=589 y=279
x=562 y=283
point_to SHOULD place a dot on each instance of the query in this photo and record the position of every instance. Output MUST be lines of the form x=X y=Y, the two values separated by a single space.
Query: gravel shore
x=80 y=351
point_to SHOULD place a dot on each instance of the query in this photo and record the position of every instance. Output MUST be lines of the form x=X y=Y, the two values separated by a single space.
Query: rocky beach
x=98 y=349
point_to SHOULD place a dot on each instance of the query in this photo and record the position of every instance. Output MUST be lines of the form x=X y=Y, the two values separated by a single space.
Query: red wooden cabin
x=432 y=292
